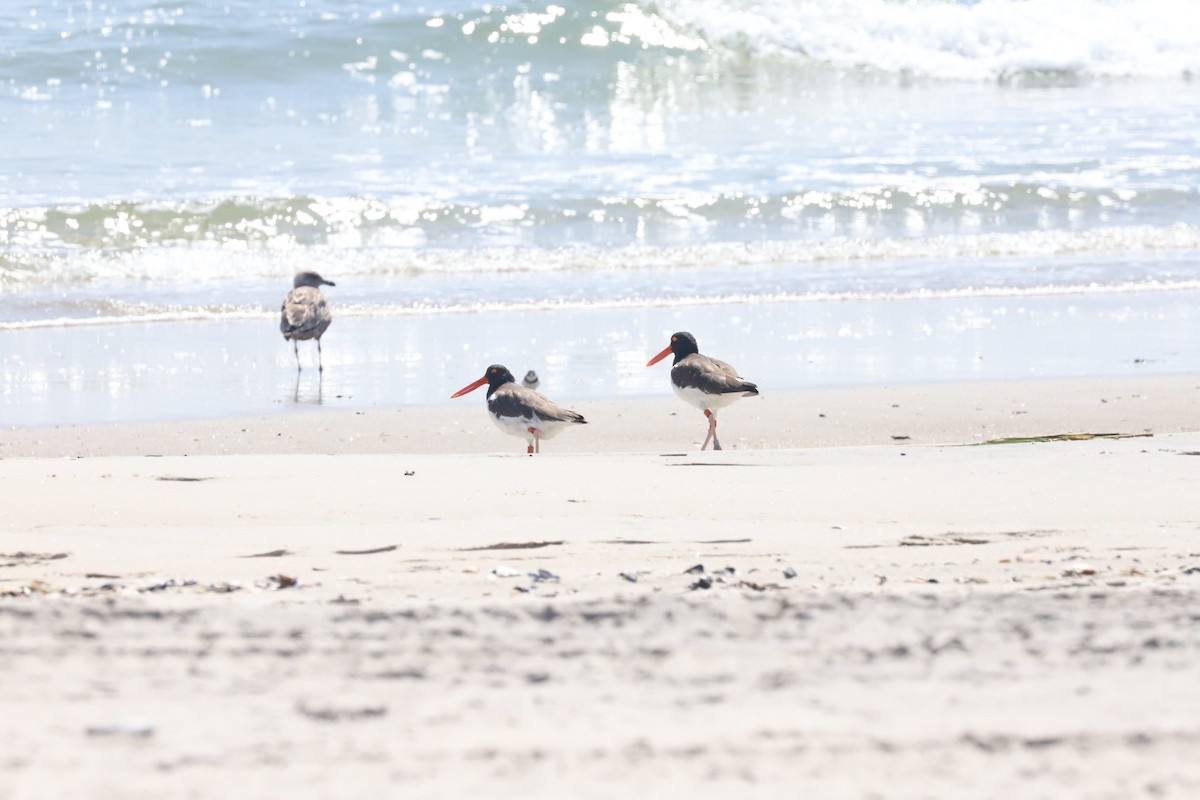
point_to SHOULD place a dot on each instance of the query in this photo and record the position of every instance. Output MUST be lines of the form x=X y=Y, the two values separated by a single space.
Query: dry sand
x=399 y=601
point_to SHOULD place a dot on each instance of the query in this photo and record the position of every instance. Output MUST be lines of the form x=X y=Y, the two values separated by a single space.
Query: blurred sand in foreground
x=851 y=601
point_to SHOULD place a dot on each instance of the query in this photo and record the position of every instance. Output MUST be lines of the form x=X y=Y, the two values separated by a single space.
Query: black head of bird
x=309 y=278
x=683 y=344
x=494 y=376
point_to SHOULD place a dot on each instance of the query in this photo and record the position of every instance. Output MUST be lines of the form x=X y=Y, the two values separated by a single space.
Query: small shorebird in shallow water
x=519 y=411
x=706 y=383
x=530 y=381
x=305 y=314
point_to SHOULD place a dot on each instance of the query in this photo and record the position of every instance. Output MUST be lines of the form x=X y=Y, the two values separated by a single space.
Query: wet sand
x=319 y=604
x=181 y=370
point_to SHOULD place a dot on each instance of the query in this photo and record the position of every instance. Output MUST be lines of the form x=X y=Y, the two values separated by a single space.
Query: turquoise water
x=563 y=184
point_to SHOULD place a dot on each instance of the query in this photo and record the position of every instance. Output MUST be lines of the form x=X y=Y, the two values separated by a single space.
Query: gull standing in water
x=305 y=314
x=519 y=411
x=706 y=383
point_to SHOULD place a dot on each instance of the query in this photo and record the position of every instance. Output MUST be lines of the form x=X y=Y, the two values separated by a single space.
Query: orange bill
x=469 y=387
x=666 y=352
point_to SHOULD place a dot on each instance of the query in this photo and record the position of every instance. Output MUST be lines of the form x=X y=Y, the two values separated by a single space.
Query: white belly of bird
x=519 y=426
x=702 y=400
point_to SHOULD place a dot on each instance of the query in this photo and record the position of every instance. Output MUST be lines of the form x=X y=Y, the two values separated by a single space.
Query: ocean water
x=838 y=192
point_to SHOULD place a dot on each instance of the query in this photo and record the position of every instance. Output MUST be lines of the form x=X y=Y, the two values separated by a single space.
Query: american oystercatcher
x=706 y=383
x=519 y=411
x=305 y=314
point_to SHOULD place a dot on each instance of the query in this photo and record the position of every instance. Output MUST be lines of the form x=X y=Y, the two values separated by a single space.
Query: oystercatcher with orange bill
x=519 y=411
x=704 y=382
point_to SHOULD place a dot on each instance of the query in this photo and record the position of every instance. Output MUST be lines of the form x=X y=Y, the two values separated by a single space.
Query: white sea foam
x=148 y=313
x=208 y=263
x=962 y=40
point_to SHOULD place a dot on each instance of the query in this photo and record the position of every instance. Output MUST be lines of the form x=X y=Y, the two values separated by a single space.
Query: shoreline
x=234 y=369
x=963 y=412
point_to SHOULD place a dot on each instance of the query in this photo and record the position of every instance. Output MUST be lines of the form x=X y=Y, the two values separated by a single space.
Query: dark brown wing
x=511 y=400
x=305 y=314
x=709 y=376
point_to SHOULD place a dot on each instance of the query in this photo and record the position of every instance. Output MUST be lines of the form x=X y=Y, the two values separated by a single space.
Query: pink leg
x=712 y=432
x=536 y=447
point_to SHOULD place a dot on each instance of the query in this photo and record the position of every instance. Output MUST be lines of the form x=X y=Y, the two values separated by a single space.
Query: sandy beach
x=951 y=552
x=856 y=599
